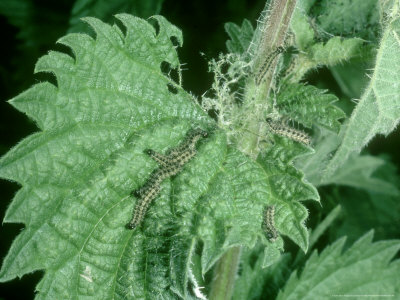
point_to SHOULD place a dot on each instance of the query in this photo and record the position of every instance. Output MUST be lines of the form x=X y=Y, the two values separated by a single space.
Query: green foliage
x=364 y=269
x=346 y=18
x=308 y=105
x=378 y=110
x=374 y=211
x=335 y=50
x=99 y=118
x=253 y=275
x=240 y=36
x=120 y=92
x=287 y=188
x=316 y=53
x=359 y=171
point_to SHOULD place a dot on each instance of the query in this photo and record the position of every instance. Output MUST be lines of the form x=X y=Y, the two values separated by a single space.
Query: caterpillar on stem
x=267 y=63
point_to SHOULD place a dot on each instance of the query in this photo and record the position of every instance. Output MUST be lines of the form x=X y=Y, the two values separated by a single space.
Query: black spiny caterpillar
x=267 y=63
x=268 y=224
x=170 y=164
x=291 y=133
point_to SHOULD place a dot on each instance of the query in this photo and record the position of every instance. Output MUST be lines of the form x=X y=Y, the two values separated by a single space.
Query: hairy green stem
x=271 y=35
x=274 y=26
x=224 y=275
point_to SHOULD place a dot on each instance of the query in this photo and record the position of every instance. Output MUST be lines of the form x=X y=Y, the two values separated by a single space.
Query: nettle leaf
x=359 y=171
x=378 y=111
x=288 y=188
x=308 y=105
x=303 y=32
x=335 y=50
x=256 y=281
x=373 y=210
x=111 y=102
x=316 y=53
x=240 y=36
x=364 y=269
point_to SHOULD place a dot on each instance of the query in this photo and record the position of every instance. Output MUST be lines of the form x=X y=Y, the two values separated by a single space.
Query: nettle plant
x=216 y=185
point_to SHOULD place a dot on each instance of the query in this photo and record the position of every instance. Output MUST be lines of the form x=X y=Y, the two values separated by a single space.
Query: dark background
x=202 y=25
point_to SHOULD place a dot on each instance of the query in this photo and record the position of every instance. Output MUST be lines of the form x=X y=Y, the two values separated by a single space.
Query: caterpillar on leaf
x=268 y=224
x=289 y=132
x=170 y=164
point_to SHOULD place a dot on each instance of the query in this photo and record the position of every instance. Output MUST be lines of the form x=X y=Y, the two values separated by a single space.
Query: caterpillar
x=291 y=133
x=268 y=224
x=290 y=67
x=170 y=164
x=267 y=63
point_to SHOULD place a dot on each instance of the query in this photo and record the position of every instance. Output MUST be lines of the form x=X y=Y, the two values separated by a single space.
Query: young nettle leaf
x=240 y=36
x=334 y=51
x=308 y=105
x=365 y=269
x=288 y=188
x=346 y=18
x=315 y=50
